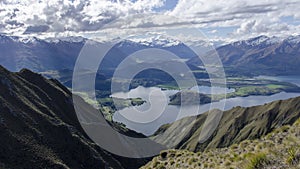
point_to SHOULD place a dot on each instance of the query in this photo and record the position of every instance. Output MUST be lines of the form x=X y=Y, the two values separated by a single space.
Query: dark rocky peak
x=39 y=127
x=29 y=75
x=3 y=70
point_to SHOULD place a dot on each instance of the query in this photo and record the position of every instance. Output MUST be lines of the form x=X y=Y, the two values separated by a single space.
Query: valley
x=237 y=126
x=258 y=99
x=149 y=84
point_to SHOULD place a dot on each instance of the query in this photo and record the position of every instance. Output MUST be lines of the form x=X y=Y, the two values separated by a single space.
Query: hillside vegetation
x=280 y=149
x=235 y=125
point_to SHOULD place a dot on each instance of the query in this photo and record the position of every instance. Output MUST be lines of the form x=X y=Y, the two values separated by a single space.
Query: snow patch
x=261 y=40
x=71 y=39
x=160 y=40
x=294 y=39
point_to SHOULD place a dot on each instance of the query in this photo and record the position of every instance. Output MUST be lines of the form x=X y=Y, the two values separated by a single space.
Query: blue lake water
x=212 y=90
x=148 y=117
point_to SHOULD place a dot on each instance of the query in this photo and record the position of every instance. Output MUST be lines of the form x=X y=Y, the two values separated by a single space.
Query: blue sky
x=104 y=19
x=169 y=5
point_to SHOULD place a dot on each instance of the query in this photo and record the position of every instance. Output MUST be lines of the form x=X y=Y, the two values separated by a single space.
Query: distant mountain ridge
x=259 y=56
x=61 y=53
x=36 y=54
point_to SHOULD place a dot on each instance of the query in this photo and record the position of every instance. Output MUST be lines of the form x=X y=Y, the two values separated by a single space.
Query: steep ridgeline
x=260 y=55
x=39 y=127
x=279 y=149
x=236 y=125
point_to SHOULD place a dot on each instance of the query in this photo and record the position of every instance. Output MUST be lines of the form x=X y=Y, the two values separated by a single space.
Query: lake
x=212 y=90
x=148 y=117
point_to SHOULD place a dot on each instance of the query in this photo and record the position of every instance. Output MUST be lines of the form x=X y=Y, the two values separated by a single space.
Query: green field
x=108 y=106
x=243 y=88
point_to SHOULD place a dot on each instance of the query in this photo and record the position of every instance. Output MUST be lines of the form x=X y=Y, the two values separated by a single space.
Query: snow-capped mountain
x=265 y=40
x=294 y=39
x=37 y=54
x=158 y=41
x=61 y=53
x=273 y=53
x=261 y=55
x=71 y=39
x=260 y=40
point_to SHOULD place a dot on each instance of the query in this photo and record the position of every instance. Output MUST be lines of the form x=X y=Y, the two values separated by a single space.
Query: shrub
x=293 y=157
x=227 y=163
x=161 y=167
x=163 y=155
x=172 y=162
x=257 y=161
x=155 y=164
x=234 y=147
x=285 y=128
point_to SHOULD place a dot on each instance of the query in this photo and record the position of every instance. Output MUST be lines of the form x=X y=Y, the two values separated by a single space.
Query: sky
x=192 y=20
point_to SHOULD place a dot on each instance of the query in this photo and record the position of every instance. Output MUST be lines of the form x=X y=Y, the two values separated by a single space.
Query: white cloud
x=250 y=17
x=67 y=15
x=119 y=17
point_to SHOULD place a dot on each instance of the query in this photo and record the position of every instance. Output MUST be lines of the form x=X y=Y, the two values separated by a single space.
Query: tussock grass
x=279 y=149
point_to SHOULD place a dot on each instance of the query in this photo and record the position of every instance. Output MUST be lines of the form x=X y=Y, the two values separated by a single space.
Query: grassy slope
x=236 y=125
x=279 y=149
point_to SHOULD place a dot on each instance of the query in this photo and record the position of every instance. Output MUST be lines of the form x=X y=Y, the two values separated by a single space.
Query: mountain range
x=40 y=127
x=259 y=56
x=57 y=54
